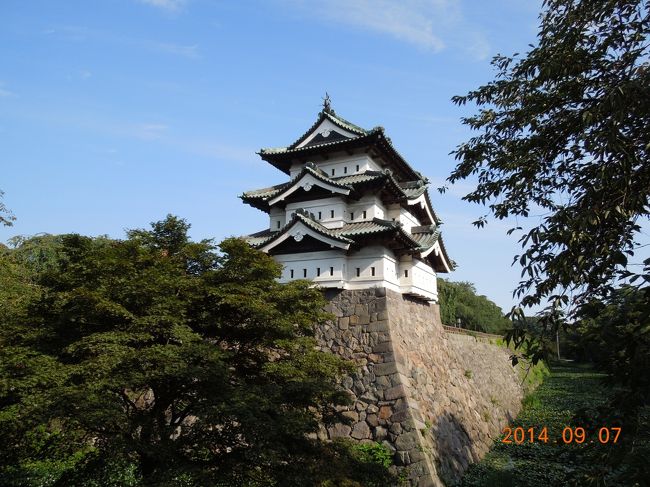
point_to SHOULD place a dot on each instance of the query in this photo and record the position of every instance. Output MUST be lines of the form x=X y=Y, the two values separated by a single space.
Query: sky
x=114 y=113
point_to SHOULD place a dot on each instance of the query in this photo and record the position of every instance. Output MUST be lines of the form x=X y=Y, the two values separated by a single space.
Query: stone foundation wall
x=436 y=400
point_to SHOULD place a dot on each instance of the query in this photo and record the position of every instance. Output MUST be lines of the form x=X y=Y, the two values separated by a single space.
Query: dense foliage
x=458 y=300
x=571 y=396
x=158 y=361
x=563 y=134
x=615 y=335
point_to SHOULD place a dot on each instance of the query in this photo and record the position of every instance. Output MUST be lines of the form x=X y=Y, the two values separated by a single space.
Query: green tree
x=563 y=136
x=158 y=361
x=6 y=217
x=458 y=300
x=616 y=334
x=563 y=133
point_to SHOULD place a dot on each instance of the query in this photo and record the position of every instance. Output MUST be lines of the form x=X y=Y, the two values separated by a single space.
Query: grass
x=569 y=390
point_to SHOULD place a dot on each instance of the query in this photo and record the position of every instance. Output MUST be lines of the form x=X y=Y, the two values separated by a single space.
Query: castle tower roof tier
x=423 y=241
x=410 y=193
x=331 y=135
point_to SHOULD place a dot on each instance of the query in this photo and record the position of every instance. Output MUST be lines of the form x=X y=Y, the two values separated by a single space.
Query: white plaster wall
x=342 y=165
x=306 y=265
x=405 y=217
x=417 y=277
x=369 y=203
x=324 y=207
x=277 y=217
x=344 y=268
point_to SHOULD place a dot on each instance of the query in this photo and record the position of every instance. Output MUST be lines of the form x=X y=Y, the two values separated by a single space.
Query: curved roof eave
x=315 y=230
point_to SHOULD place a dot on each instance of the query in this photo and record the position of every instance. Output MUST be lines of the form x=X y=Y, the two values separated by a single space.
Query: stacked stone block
x=435 y=400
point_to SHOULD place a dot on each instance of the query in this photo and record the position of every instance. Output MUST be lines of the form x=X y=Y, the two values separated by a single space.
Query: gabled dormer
x=328 y=128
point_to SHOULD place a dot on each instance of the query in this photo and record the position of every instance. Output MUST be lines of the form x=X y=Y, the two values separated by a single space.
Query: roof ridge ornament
x=327 y=104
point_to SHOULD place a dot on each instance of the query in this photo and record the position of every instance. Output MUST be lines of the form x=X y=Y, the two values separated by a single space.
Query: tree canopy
x=458 y=300
x=156 y=360
x=563 y=135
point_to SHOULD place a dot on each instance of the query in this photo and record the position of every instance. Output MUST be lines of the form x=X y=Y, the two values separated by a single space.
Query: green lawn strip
x=568 y=389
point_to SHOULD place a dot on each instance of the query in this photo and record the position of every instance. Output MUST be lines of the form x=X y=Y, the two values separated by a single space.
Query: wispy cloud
x=149 y=131
x=73 y=33
x=167 y=5
x=5 y=93
x=432 y=25
x=191 y=52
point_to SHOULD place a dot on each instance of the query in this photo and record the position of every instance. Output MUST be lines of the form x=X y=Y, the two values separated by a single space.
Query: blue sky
x=114 y=113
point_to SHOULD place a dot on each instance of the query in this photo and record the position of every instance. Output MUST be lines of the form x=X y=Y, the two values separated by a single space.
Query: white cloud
x=478 y=46
x=4 y=93
x=149 y=131
x=74 y=33
x=168 y=5
x=190 y=52
x=428 y=24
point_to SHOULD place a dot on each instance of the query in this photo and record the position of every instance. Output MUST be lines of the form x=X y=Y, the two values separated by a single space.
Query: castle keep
x=356 y=219
x=354 y=215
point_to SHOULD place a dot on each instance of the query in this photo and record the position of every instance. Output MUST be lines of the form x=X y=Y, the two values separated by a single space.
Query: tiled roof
x=420 y=240
x=330 y=115
x=264 y=193
x=426 y=239
x=259 y=197
x=375 y=137
x=265 y=237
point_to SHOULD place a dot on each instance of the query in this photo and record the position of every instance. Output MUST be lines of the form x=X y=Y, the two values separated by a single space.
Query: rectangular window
x=345 y=170
x=365 y=214
x=357 y=167
x=333 y=171
x=331 y=213
x=352 y=215
x=372 y=271
x=406 y=273
x=331 y=271
x=278 y=223
x=319 y=215
x=358 y=271
x=291 y=273
x=304 y=273
x=317 y=271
